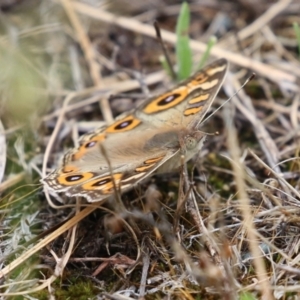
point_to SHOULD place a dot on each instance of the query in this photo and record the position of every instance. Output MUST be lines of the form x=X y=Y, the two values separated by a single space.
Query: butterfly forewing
x=186 y=104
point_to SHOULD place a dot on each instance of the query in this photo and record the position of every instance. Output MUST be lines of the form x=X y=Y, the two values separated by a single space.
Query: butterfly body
x=151 y=138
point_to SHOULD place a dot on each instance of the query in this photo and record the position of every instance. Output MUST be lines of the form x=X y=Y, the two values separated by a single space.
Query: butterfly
x=149 y=139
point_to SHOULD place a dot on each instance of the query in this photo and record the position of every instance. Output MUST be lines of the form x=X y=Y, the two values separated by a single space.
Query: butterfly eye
x=105 y=185
x=125 y=124
x=168 y=99
x=101 y=182
x=190 y=143
x=74 y=178
x=90 y=144
x=86 y=142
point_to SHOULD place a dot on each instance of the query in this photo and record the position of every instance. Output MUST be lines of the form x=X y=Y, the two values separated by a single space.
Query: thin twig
x=246 y=210
x=88 y=50
x=265 y=70
x=274 y=10
x=165 y=51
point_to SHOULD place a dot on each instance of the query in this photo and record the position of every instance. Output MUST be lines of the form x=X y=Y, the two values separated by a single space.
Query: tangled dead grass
x=226 y=227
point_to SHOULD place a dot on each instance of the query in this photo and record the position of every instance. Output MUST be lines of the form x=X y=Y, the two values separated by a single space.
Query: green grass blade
x=297 y=32
x=183 y=50
x=165 y=65
x=212 y=41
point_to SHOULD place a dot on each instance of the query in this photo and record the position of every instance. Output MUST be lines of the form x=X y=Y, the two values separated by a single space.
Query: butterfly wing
x=186 y=104
x=99 y=174
x=125 y=152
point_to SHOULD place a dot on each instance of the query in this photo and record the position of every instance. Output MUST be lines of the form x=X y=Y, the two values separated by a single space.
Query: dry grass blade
x=245 y=106
x=69 y=224
x=146 y=265
x=12 y=181
x=227 y=228
x=259 y=23
x=90 y=56
x=2 y=152
x=244 y=206
x=267 y=71
x=112 y=88
x=278 y=176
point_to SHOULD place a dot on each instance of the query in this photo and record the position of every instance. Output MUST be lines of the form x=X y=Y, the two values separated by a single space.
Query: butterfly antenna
x=246 y=82
x=164 y=49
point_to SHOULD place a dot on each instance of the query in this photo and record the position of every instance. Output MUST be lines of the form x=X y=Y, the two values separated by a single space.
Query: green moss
x=218 y=182
x=76 y=289
x=246 y=296
x=41 y=295
x=82 y=290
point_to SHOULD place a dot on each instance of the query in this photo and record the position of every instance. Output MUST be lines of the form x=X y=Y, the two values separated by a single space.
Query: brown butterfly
x=151 y=138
